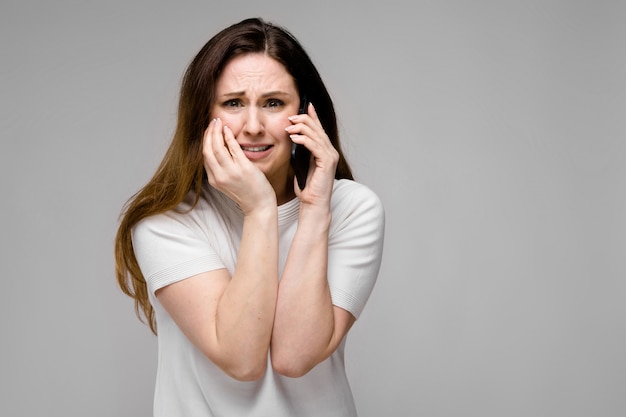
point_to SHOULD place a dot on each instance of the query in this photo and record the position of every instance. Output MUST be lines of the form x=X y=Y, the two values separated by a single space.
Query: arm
x=307 y=327
x=228 y=318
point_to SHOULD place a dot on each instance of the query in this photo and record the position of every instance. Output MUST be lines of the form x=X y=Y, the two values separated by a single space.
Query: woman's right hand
x=230 y=171
x=228 y=315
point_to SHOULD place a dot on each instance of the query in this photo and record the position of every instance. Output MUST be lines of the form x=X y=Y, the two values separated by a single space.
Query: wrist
x=262 y=212
x=262 y=207
x=314 y=217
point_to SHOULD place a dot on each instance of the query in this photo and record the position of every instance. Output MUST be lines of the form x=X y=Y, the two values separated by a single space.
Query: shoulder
x=355 y=205
x=185 y=216
x=353 y=196
x=176 y=244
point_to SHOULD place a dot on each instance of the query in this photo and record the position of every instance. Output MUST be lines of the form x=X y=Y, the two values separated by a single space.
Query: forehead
x=255 y=71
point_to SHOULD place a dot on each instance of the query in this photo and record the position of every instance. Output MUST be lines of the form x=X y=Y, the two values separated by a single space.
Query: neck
x=284 y=192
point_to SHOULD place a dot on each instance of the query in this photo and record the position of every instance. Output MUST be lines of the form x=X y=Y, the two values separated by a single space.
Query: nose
x=253 y=123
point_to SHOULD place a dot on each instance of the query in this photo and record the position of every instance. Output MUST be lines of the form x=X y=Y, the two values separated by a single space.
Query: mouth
x=256 y=148
x=257 y=153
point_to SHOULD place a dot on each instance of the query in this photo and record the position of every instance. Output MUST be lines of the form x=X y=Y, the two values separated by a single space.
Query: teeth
x=255 y=148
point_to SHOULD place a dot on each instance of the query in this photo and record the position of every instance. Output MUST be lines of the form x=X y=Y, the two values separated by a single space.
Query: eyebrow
x=264 y=95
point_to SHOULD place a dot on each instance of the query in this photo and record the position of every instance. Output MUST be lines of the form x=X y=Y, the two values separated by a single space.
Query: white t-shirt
x=181 y=243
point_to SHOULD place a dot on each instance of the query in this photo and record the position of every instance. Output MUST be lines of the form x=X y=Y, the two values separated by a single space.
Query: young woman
x=250 y=281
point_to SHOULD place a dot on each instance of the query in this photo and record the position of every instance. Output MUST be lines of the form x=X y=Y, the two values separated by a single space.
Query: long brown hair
x=182 y=169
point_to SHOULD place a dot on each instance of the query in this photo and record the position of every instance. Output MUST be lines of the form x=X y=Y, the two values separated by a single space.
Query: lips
x=256 y=152
x=256 y=148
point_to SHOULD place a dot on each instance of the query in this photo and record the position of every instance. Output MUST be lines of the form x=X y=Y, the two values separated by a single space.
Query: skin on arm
x=307 y=327
x=230 y=319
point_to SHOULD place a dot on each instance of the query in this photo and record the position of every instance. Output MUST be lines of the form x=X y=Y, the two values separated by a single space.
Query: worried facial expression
x=254 y=97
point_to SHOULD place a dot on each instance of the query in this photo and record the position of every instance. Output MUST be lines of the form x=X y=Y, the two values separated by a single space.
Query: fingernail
x=289 y=128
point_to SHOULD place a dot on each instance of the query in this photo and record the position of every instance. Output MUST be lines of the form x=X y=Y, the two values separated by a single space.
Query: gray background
x=493 y=131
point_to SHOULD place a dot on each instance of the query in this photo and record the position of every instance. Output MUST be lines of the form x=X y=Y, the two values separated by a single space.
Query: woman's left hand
x=307 y=130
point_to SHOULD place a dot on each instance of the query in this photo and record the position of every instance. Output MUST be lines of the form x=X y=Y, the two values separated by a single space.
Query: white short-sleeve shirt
x=187 y=241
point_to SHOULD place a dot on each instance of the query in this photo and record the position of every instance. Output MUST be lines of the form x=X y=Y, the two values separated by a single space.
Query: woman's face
x=254 y=97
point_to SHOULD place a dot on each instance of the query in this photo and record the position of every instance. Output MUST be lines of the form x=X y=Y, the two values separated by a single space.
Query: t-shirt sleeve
x=355 y=246
x=169 y=249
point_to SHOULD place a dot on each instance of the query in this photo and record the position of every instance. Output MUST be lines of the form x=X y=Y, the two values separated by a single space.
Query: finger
x=304 y=118
x=312 y=112
x=231 y=143
x=207 y=133
x=207 y=142
x=217 y=143
x=313 y=138
x=306 y=128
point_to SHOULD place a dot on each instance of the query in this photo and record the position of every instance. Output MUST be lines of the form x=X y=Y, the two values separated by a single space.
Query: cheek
x=232 y=121
x=281 y=136
x=277 y=128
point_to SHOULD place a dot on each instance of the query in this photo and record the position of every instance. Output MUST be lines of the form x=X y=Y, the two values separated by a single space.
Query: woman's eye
x=232 y=104
x=274 y=103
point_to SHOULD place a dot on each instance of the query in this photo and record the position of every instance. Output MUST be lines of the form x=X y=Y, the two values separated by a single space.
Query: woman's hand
x=229 y=316
x=229 y=170
x=307 y=130
x=308 y=328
